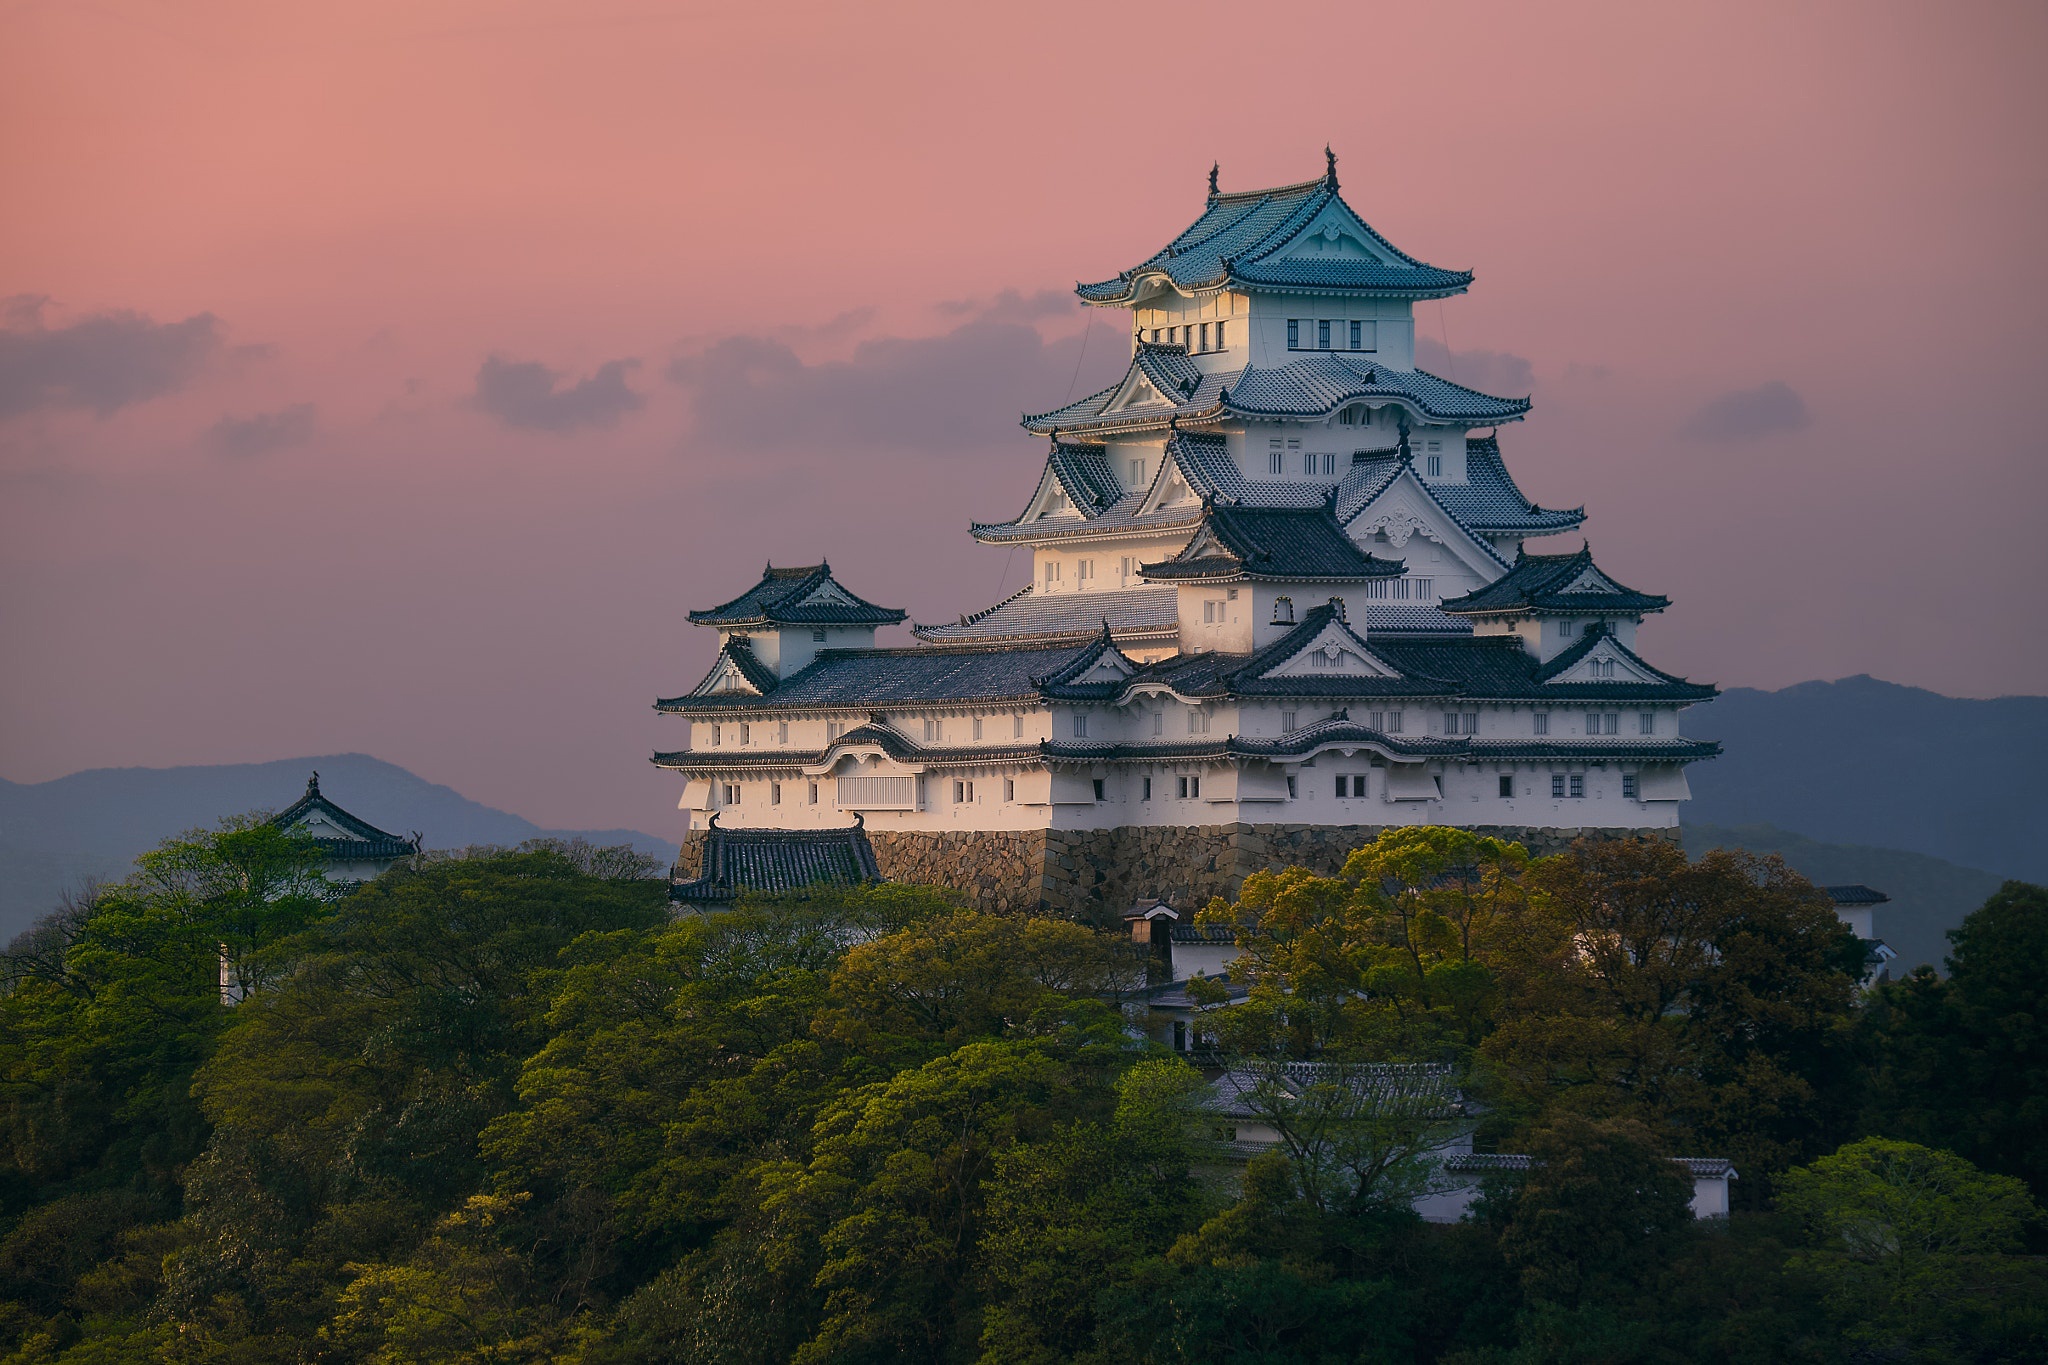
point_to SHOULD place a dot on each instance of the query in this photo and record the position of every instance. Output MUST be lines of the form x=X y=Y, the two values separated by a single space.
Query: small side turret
x=1552 y=601
x=792 y=614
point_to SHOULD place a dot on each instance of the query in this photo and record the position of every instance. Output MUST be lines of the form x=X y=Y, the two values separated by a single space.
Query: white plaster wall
x=1174 y=310
x=1393 y=329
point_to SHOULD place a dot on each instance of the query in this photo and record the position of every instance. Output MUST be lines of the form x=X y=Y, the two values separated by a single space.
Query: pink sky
x=1774 y=274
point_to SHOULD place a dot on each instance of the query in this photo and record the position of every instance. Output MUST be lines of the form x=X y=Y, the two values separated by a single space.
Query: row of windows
x=1401 y=589
x=1085 y=574
x=1324 y=334
x=934 y=730
x=1348 y=786
x=1206 y=336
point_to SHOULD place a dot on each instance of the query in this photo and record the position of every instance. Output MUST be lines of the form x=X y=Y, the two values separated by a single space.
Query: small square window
x=1628 y=786
x=1393 y=722
x=1435 y=468
x=1507 y=787
x=1471 y=726
x=1541 y=721
x=1080 y=726
x=1287 y=722
x=1592 y=722
x=1646 y=722
x=1450 y=722
x=1557 y=785
x=817 y=637
x=1610 y=724
x=1578 y=785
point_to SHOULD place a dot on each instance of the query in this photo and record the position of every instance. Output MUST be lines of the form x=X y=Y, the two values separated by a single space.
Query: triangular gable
x=1405 y=508
x=826 y=593
x=1591 y=580
x=1206 y=545
x=1170 y=486
x=1100 y=661
x=1335 y=234
x=1050 y=499
x=1137 y=391
x=1607 y=662
x=729 y=676
x=1333 y=651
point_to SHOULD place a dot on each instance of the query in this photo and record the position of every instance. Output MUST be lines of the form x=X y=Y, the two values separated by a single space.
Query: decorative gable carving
x=1332 y=652
x=1334 y=236
x=1139 y=392
x=1606 y=663
x=1592 y=581
x=726 y=677
x=826 y=594
x=1111 y=667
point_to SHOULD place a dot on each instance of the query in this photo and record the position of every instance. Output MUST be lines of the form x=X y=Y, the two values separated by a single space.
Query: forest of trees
x=501 y=1107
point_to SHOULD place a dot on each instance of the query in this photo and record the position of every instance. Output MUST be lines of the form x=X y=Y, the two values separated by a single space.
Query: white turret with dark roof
x=1279 y=593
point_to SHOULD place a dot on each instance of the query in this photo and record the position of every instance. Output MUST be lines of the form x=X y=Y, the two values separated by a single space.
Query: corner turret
x=786 y=619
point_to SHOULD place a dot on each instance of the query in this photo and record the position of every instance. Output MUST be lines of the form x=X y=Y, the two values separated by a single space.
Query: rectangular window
x=1198 y=721
x=717 y=734
x=1376 y=720
x=878 y=793
x=1291 y=793
x=1322 y=336
x=1220 y=342
x=1016 y=727
x=1159 y=722
x=814 y=793
x=1137 y=468
x=1507 y=787
x=1471 y=722
x=1343 y=786
x=1146 y=790
x=1610 y=724
x=1276 y=458
x=1205 y=336
x=817 y=637
x=1195 y=788
x=1357 y=336
x=1450 y=722
x=933 y=730
x=962 y=791
x=1393 y=722
x=1592 y=722
x=1294 y=334
x=1435 y=467
x=746 y=733
x=1565 y=627
x=1424 y=587
x=1287 y=722
x=831 y=730
x=1578 y=785
x=977 y=727
x=1098 y=788
x=1628 y=786
x=732 y=793
x=1557 y=786
x=1009 y=789
x=1183 y=788
x=774 y=793
x=1081 y=726
x=782 y=732
x=1209 y=613
x=1646 y=722
x=1084 y=570
x=1541 y=720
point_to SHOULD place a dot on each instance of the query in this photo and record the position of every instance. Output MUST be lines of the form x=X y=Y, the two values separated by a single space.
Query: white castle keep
x=1278 y=602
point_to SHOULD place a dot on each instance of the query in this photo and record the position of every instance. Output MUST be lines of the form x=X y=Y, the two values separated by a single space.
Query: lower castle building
x=1280 y=601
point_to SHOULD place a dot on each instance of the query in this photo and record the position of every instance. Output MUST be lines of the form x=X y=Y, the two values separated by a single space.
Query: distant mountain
x=55 y=835
x=1875 y=764
x=1929 y=896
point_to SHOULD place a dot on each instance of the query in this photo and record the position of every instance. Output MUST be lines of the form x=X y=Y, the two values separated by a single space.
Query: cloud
x=1012 y=306
x=964 y=389
x=102 y=362
x=1500 y=373
x=1749 y=414
x=262 y=432
x=529 y=395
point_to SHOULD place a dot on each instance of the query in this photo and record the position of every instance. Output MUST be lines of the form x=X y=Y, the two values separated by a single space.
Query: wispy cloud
x=1749 y=414
x=528 y=395
x=262 y=432
x=101 y=363
x=1501 y=373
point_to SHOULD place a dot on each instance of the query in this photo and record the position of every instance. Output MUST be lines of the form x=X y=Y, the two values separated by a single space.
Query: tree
x=1358 y=1137
x=1963 y=1063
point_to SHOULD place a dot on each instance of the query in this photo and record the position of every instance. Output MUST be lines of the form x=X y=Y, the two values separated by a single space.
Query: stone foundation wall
x=1094 y=875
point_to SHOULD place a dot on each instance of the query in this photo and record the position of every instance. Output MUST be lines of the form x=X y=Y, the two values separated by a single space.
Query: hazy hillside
x=1871 y=763
x=1929 y=896
x=55 y=834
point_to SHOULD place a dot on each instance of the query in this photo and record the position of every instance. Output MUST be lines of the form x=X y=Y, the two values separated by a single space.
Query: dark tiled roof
x=740 y=655
x=1498 y=666
x=1273 y=544
x=1543 y=585
x=366 y=841
x=778 y=861
x=797 y=596
x=1341 y=732
x=1698 y=1167
x=1488 y=500
x=863 y=679
x=1314 y=386
x=1416 y=1089
x=1239 y=238
x=1857 y=894
x=1029 y=616
x=1394 y=618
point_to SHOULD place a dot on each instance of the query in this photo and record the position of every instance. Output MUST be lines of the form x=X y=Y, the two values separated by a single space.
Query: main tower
x=1279 y=600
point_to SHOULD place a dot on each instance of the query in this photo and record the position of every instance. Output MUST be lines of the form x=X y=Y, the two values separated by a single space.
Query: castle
x=1279 y=601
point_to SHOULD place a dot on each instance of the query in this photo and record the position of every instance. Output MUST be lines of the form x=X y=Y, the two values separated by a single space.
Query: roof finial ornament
x=1214 y=168
x=313 y=785
x=1330 y=157
x=1406 y=454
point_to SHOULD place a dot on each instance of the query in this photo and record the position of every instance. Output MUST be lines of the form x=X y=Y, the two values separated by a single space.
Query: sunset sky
x=394 y=377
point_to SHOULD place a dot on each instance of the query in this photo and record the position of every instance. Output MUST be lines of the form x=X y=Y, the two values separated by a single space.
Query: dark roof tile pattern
x=1413 y=1089
x=1588 y=641
x=776 y=862
x=1489 y=502
x=849 y=679
x=1537 y=584
x=366 y=841
x=1273 y=544
x=1239 y=236
x=1145 y=613
x=1856 y=894
x=779 y=599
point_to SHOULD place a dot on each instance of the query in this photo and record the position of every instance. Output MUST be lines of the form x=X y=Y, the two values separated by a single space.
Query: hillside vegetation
x=500 y=1108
